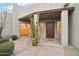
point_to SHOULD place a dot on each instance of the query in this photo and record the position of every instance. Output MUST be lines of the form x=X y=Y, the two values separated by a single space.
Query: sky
x=9 y=6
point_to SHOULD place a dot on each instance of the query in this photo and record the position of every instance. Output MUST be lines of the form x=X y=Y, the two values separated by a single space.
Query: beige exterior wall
x=74 y=26
x=46 y=6
x=64 y=28
x=21 y=11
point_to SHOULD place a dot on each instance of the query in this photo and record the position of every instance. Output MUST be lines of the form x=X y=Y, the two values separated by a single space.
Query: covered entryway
x=50 y=28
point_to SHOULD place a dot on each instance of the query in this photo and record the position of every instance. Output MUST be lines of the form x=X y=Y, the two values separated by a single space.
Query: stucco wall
x=21 y=11
x=15 y=22
x=46 y=6
x=64 y=28
x=74 y=26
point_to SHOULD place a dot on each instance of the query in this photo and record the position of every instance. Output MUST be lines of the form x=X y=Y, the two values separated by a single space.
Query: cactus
x=35 y=31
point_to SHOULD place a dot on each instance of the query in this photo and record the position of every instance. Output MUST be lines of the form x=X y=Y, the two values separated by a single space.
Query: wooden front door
x=50 y=29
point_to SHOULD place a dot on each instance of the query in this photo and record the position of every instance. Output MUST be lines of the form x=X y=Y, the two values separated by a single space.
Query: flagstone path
x=23 y=47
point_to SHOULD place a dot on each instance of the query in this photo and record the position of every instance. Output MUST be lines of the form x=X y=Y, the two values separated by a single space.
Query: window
x=59 y=26
x=42 y=27
x=24 y=29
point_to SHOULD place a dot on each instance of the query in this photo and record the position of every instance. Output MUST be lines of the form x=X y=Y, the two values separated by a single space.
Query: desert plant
x=6 y=48
x=14 y=37
x=34 y=42
x=35 y=31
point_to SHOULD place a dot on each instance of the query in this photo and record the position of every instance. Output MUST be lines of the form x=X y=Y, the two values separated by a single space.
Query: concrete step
x=49 y=44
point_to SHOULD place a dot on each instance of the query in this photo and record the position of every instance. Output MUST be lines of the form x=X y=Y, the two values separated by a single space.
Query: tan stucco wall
x=21 y=11
x=46 y=6
x=74 y=26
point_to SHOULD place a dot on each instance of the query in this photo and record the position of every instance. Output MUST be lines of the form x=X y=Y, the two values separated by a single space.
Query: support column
x=56 y=29
x=64 y=28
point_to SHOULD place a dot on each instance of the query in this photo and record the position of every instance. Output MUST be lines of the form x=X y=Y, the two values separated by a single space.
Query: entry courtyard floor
x=23 y=47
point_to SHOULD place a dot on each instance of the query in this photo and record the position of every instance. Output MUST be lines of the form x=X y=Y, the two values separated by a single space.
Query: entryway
x=50 y=30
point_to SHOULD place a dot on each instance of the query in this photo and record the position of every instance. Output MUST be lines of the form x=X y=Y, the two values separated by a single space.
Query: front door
x=50 y=29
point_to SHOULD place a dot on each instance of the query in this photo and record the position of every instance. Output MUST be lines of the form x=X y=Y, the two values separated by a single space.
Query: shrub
x=6 y=48
x=14 y=37
x=3 y=40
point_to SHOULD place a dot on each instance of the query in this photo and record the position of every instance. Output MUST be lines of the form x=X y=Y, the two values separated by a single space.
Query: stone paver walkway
x=23 y=47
